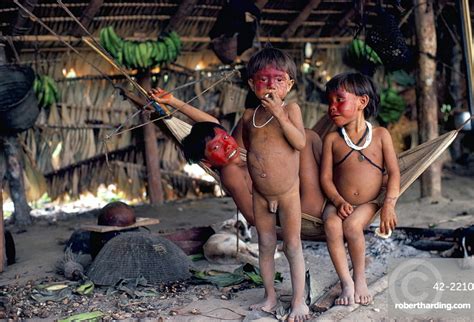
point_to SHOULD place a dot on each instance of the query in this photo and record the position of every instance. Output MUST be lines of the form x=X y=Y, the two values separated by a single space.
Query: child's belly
x=358 y=187
x=273 y=172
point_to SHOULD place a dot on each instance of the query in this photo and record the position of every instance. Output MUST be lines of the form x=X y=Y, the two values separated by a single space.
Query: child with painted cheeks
x=273 y=134
x=358 y=161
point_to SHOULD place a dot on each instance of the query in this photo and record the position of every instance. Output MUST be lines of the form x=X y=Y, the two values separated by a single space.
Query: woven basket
x=388 y=41
x=18 y=105
x=139 y=254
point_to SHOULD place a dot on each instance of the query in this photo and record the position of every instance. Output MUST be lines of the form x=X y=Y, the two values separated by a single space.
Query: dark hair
x=273 y=57
x=194 y=144
x=357 y=84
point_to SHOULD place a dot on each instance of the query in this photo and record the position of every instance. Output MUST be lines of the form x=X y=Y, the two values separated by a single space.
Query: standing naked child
x=357 y=161
x=273 y=134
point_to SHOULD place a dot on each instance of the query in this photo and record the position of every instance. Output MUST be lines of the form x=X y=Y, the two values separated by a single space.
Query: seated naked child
x=273 y=134
x=356 y=162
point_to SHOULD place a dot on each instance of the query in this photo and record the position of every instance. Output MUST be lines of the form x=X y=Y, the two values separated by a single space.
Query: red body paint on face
x=342 y=107
x=270 y=79
x=221 y=149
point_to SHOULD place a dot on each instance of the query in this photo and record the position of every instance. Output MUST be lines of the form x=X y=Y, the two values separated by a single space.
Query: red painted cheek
x=217 y=158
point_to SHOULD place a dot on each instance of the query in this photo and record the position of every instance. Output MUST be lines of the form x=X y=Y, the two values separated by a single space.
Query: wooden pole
x=21 y=216
x=155 y=190
x=2 y=231
x=2 y=176
x=426 y=98
x=184 y=39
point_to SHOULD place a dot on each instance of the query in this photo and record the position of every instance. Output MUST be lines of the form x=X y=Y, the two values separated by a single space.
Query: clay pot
x=116 y=214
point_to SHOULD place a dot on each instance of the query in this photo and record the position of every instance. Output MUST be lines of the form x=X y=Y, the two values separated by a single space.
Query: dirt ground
x=41 y=246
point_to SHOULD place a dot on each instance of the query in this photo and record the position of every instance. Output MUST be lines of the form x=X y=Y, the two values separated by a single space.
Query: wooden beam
x=168 y=17
x=88 y=16
x=300 y=19
x=184 y=10
x=184 y=39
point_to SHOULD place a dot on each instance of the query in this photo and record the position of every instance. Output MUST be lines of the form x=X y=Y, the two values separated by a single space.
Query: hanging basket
x=388 y=41
x=18 y=106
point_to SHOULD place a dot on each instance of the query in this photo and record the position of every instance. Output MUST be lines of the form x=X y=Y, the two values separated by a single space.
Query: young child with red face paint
x=357 y=161
x=273 y=134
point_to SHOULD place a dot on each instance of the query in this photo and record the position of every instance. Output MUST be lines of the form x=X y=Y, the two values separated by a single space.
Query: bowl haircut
x=359 y=85
x=271 y=57
x=194 y=144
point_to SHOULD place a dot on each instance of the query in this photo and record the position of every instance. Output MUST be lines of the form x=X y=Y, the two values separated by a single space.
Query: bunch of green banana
x=392 y=106
x=358 y=51
x=111 y=42
x=141 y=55
x=46 y=91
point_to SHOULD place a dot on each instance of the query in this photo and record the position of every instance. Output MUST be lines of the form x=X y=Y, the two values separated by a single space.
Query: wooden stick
x=185 y=39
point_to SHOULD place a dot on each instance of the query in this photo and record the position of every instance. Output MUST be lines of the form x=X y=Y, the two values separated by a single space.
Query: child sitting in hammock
x=356 y=161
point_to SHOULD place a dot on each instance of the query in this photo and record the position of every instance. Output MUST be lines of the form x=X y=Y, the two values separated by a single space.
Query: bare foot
x=267 y=305
x=361 y=294
x=299 y=312
x=347 y=294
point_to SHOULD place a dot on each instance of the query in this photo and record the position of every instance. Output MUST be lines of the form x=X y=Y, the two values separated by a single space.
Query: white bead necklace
x=268 y=121
x=368 y=138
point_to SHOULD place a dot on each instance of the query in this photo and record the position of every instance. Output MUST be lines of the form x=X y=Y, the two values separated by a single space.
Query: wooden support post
x=155 y=190
x=2 y=231
x=426 y=98
x=2 y=176
x=14 y=174
x=298 y=21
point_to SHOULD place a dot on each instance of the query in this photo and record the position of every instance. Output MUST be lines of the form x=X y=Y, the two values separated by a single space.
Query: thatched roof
x=287 y=24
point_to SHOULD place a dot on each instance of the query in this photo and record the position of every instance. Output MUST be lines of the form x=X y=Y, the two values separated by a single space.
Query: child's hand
x=161 y=96
x=344 y=210
x=273 y=104
x=388 y=219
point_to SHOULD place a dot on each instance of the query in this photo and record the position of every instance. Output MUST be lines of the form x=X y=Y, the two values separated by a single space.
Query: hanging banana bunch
x=46 y=91
x=359 y=50
x=141 y=55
